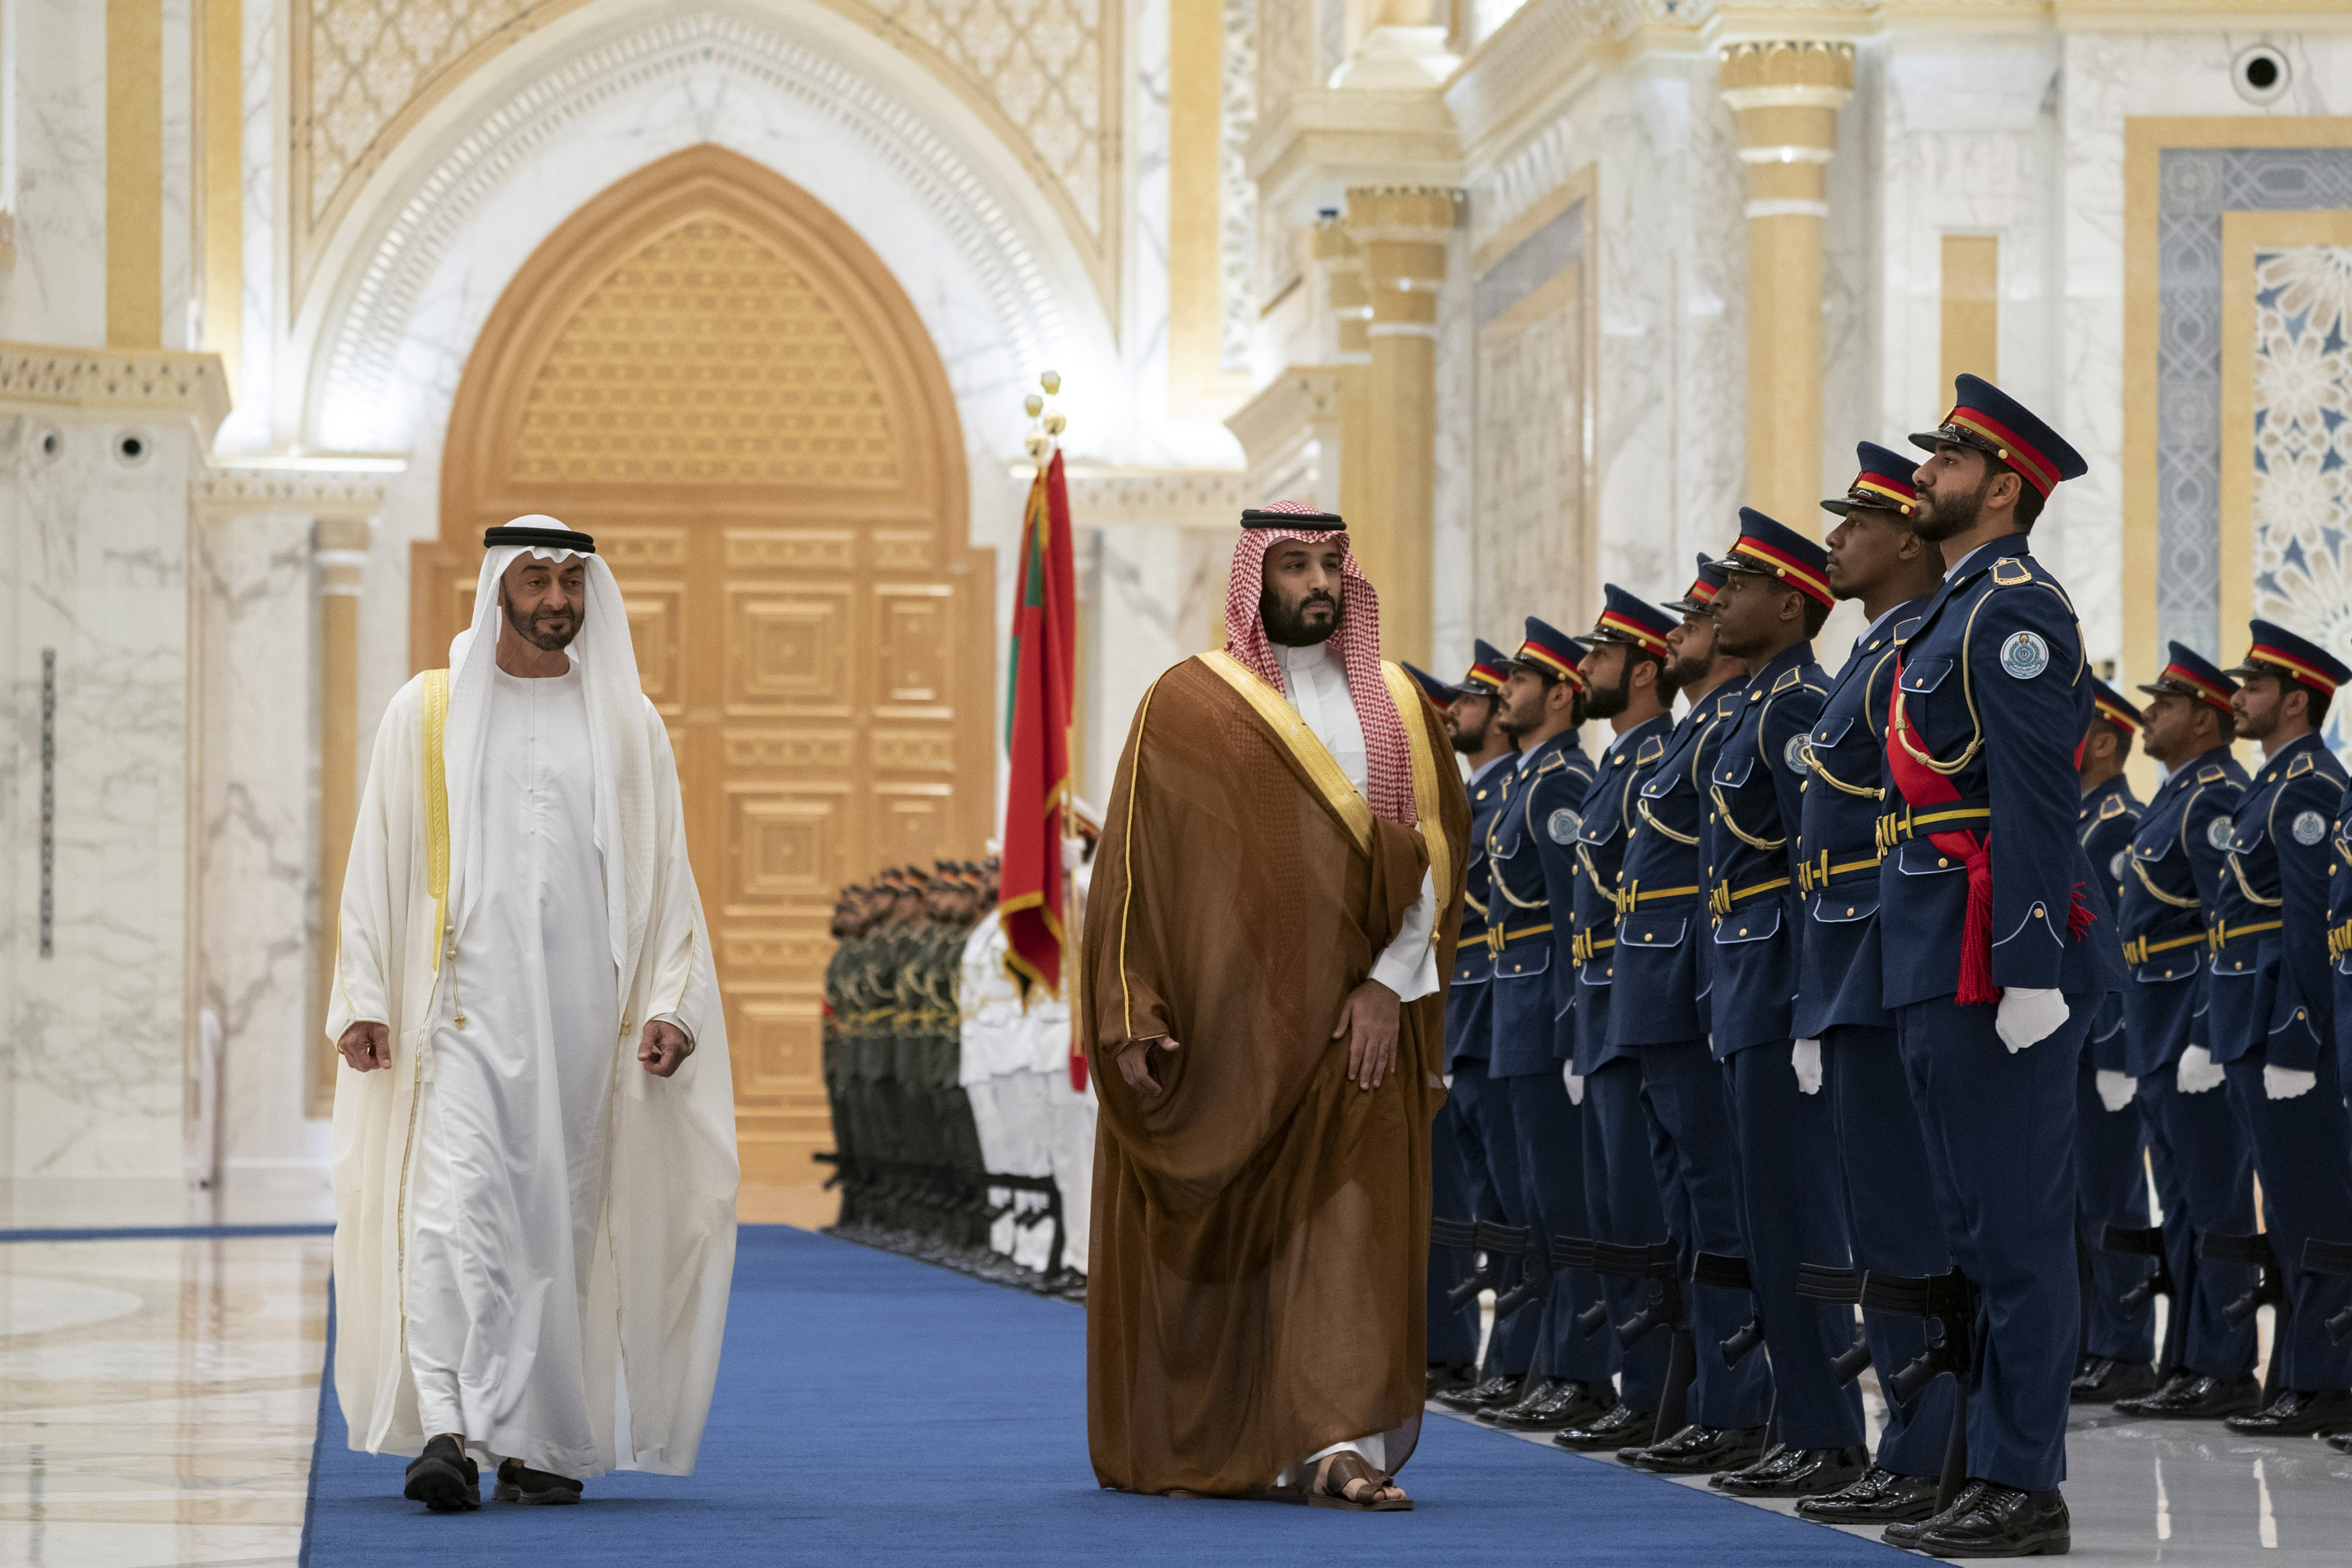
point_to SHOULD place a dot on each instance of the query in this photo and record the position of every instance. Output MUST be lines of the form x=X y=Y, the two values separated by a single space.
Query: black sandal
x=1349 y=1470
x=518 y=1482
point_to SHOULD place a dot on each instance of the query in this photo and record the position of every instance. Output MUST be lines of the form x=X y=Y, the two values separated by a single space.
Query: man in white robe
x=535 y=1204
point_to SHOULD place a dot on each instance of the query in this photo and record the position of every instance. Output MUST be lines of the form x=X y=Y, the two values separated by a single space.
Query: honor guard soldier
x=2197 y=1148
x=2272 y=1013
x=1656 y=1011
x=1766 y=616
x=2110 y=1180
x=1475 y=1120
x=1452 y=1320
x=1841 y=1021
x=1988 y=964
x=1531 y=854
x=1628 y=682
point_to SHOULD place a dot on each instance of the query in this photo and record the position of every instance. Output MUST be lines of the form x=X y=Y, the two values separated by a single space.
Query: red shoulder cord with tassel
x=1922 y=786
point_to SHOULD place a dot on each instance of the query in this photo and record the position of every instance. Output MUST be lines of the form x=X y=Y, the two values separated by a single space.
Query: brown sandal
x=1350 y=1471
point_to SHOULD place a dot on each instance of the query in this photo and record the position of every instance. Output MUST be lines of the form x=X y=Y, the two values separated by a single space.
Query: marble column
x=1401 y=234
x=1786 y=96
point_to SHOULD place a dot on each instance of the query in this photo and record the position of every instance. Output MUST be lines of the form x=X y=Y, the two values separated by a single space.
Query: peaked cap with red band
x=1635 y=621
x=1388 y=761
x=1699 y=598
x=2109 y=704
x=2189 y=674
x=1487 y=669
x=1988 y=419
x=1553 y=652
x=1884 y=482
x=2279 y=652
x=1767 y=548
x=1432 y=688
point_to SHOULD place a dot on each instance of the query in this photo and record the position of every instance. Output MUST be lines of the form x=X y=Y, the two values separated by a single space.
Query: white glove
x=1575 y=1084
x=1448 y=1080
x=1807 y=1059
x=2114 y=1089
x=2198 y=1071
x=1074 y=853
x=2028 y=1017
x=2286 y=1083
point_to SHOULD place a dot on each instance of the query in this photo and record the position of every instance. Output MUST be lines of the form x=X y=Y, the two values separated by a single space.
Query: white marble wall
x=93 y=543
x=1452 y=533
x=56 y=293
x=1154 y=593
x=256 y=858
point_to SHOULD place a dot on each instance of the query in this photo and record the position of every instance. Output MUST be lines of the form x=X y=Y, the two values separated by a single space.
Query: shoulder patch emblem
x=2310 y=827
x=2211 y=774
x=2024 y=655
x=1563 y=826
x=2116 y=864
x=2008 y=571
x=1793 y=755
x=2299 y=767
x=2218 y=831
x=1788 y=678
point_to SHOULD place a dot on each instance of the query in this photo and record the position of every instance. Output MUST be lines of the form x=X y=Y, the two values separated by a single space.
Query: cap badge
x=2024 y=655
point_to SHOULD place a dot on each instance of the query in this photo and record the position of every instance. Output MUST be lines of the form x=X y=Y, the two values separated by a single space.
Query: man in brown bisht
x=1275 y=901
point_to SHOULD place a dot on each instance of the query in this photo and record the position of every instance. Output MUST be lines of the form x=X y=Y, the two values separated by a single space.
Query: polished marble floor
x=158 y=1399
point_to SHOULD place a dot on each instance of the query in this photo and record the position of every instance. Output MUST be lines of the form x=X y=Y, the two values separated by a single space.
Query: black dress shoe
x=2199 y=1398
x=1772 y=1455
x=2105 y=1379
x=1880 y=1497
x=1798 y=1473
x=1903 y=1533
x=2178 y=1378
x=1998 y=1521
x=443 y=1479
x=2298 y=1414
x=1699 y=1450
x=2341 y=1442
x=1622 y=1423
x=1499 y=1389
x=1446 y=1377
x=1565 y=1404
x=1539 y=1394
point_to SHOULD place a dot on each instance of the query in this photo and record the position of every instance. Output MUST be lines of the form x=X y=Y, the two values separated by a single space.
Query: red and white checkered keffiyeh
x=1388 y=764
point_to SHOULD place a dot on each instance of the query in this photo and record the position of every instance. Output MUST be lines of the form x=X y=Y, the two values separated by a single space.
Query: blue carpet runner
x=874 y=1410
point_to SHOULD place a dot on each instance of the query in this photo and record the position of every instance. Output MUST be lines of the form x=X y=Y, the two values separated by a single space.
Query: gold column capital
x=1790 y=73
x=1417 y=214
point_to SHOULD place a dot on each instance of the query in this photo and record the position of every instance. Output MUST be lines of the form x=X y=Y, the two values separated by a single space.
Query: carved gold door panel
x=706 y=371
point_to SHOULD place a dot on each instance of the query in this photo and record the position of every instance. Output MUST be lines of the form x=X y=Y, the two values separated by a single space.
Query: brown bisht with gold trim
x=1258 y=1281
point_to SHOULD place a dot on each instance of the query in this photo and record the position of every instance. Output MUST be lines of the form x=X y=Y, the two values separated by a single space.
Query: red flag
x=1038 y=737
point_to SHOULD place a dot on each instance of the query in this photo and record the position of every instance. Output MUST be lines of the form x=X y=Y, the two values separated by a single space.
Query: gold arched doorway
x=707 y=370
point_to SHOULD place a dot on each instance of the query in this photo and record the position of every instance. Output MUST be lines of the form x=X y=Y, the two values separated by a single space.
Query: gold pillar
x=134 y=173
x=219 y=182
x=1786 y=96
x=340 y=548
x=1972 y=325
x=1400 y=234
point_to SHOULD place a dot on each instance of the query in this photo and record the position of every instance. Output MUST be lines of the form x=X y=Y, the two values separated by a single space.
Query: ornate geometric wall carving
x=1043 y=73
x=2303 y=439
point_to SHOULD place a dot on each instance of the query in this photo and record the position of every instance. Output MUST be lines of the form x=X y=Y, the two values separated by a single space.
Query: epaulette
x=2113 y=806
x=2212 y=773
x=1557 y=760
x=2300 y=765
x=1651 y=749
x=2009 y=572
x=1789 y=677
x=1902 y=629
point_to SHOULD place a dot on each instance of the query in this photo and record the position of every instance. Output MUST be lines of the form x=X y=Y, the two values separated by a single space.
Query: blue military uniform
x=1530 y=850
x=1621 y=1189
x=1790 y=1182
x=1994 y=693
x=2110 y=1183
x=2197 y=1149
x=2273 y=1011
x=1889 y=1196
x=1475 y=1123
x=1657 y=994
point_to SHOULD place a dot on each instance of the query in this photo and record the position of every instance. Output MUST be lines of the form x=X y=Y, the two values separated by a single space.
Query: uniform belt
x=1586 y=947
x=1633 y=895
x=1723 y=895
x=1896 y=827
x=1819 y=871
x=2139 y=949
x=1497 y=938
x=2223 y=933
